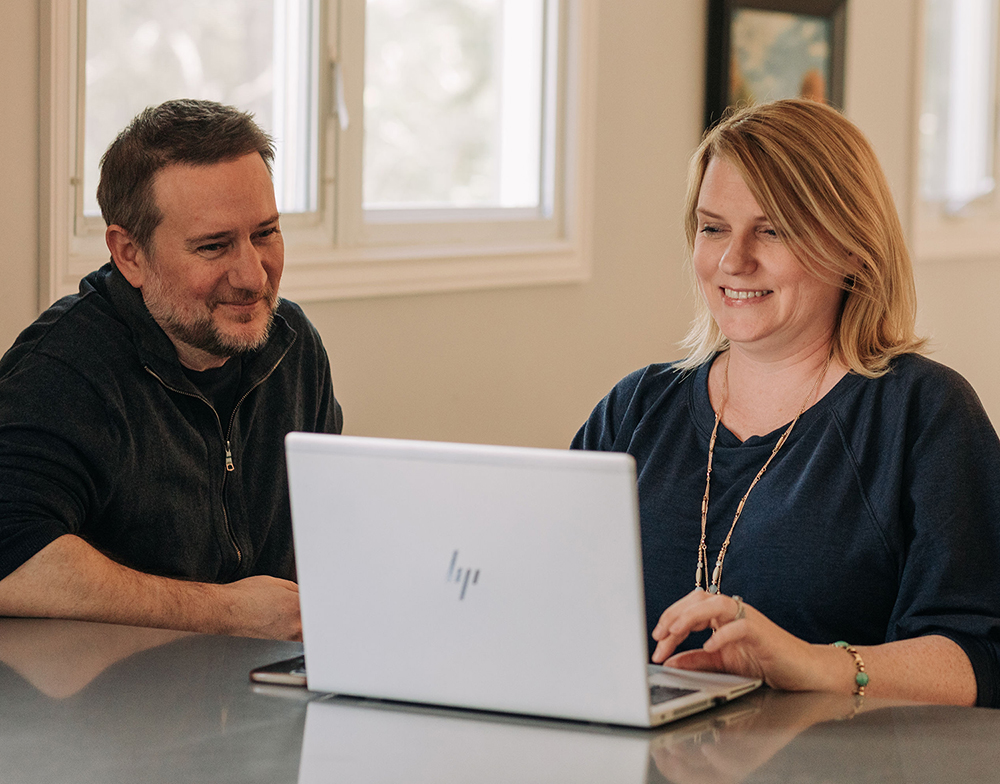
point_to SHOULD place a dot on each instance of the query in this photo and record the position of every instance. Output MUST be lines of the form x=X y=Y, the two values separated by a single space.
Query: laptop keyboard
x=659 y=694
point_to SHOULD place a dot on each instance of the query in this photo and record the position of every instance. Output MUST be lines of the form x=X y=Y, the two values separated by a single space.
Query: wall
x=19 y=164
x=525 y=366
x=961 y=317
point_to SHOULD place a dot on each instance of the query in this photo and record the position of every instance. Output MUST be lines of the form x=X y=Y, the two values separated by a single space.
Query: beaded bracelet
x=861 y=678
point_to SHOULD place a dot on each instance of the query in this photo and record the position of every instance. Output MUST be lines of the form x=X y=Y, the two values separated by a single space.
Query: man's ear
x=126 y=255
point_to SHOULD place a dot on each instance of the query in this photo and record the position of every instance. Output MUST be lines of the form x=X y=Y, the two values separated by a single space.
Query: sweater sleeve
x=607 y=422
x=950 y=498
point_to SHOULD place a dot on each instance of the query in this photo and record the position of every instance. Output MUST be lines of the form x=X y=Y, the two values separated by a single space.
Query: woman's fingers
x=734 y=631
x=743 y=641
x=698 y=604
x=695 y=612
x=698 y=659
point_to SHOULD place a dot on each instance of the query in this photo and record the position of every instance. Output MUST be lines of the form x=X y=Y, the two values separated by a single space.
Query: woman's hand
x=925 y=669
x=750 y=645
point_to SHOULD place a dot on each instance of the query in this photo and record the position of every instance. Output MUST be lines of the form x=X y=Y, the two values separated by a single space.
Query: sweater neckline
x=704 y=414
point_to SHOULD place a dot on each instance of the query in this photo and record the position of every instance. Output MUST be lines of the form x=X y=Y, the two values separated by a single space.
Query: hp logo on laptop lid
x=456 y=574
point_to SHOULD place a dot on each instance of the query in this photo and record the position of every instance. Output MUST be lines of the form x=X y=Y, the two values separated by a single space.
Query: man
x=142 y=475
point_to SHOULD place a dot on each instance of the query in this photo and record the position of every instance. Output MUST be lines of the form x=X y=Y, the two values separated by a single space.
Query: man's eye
x=214 y=247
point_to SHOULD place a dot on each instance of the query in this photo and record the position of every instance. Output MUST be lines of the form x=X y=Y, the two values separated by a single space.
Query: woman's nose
x=738 y=258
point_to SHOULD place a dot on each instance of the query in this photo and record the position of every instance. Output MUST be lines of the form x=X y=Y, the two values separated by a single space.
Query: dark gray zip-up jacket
x=103 y=435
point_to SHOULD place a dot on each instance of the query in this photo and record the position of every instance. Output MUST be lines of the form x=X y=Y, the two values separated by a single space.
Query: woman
x=805 y=476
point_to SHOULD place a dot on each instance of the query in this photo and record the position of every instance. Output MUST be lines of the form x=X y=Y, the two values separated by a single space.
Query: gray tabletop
x=84 y=702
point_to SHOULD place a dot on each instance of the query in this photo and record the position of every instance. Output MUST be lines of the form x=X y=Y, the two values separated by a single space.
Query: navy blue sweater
x=878 y=520
x=103 y=435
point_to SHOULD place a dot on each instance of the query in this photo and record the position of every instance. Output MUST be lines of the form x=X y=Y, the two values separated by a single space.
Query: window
x=453 y=105
x=258 y=55
x=422 y=145
x=957 y=211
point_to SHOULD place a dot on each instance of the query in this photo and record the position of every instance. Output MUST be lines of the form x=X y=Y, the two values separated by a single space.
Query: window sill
x=315 y=274
x=370 y=272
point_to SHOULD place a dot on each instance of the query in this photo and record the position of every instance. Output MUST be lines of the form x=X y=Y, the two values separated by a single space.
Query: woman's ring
x=740 y=609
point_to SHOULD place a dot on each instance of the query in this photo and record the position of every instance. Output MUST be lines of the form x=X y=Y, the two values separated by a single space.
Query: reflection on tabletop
x=84 y=702
x=61 y=657
x=763 y=737
x=92 y=702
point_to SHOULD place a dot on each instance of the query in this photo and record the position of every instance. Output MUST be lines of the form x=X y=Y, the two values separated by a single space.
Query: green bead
x=840 y=644
x=861 y=679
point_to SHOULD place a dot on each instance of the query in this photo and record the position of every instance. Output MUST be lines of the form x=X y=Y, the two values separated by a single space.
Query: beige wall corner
x=19 y=164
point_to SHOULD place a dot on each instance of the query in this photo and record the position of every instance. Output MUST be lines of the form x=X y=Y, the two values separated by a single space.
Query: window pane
x=957 y=125
x=453 y=103
x=257 y=55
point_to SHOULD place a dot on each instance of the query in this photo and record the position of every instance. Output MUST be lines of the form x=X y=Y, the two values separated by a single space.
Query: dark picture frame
x=760 y=50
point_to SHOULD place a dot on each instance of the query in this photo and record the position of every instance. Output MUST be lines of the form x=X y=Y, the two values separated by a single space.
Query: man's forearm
x=70 y=579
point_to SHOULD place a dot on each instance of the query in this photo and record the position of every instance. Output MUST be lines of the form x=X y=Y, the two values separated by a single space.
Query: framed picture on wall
x=762 y=50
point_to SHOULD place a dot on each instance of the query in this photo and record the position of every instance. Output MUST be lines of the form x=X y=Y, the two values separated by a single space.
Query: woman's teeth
x=733 y=294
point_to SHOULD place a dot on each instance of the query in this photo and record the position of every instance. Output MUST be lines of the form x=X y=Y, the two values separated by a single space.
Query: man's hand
x=263 y=607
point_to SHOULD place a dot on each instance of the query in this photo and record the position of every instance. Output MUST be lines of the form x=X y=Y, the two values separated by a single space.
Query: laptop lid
x=488 y=577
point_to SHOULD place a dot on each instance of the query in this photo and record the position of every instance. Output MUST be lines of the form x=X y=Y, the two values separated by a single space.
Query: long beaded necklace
x=702 y=548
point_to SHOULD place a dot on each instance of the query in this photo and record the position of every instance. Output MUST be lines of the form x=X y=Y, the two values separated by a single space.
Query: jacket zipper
x=232 y=417
x=229 y=461
x=226 y=436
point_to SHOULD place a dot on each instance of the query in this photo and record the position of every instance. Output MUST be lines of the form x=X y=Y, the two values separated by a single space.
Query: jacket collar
x=155 y=349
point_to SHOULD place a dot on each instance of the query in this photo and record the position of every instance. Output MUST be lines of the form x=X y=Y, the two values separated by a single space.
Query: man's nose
x=247 y=271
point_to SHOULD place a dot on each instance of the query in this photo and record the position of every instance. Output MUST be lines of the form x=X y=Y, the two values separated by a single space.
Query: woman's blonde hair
x=817 y=179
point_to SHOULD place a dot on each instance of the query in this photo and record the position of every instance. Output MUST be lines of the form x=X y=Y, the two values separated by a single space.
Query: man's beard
x=201 y=332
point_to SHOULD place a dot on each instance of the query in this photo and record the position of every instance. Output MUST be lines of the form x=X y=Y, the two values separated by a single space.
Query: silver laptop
x=495 y=578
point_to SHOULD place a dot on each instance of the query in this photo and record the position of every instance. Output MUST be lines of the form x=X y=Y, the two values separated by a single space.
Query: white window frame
x=941 y=231
x=335 y=253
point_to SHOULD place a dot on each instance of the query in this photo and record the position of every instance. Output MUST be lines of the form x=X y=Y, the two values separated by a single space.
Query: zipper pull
x=229 y=458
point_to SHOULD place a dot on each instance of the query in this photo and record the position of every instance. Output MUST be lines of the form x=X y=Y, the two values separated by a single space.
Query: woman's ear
x=126 y=255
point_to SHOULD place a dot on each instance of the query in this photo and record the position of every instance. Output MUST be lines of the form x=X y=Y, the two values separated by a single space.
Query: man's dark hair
x=180 y=131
